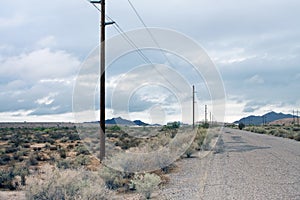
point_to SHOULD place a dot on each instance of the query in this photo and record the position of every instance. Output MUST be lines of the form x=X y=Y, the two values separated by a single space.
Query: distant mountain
x=267 y=118
x=140 y=123
x=120 y=121
x=125 y=122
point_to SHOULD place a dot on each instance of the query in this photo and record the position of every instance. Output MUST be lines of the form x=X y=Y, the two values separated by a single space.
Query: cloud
x=46 y=42
x=47 y=100
x=256 y=79
x=13 y=21
x=39 y=64
x=39 y=82
x=42 y=46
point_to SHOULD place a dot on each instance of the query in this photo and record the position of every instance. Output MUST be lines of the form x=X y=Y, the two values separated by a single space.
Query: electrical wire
x=131 y=42
x=126 y=37
x=151 y=35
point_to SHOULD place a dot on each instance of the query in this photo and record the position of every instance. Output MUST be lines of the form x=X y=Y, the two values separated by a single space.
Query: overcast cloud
x=254 y=44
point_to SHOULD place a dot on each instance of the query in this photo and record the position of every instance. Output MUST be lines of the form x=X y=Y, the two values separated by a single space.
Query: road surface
x=244 y=166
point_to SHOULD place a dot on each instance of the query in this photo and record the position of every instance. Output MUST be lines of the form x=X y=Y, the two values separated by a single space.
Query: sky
x=255 y=46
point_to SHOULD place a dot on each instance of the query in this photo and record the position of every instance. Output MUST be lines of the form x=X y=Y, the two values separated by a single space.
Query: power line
x=131 y=42
x=125 y=36
x=151 y=35
x=154 y=40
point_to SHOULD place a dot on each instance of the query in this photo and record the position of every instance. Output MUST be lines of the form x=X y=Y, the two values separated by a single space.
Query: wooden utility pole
x=194 y=106
x=102 y=83
x=102 y=76
x=293 y=117
x=205 y=113
x=297 y=118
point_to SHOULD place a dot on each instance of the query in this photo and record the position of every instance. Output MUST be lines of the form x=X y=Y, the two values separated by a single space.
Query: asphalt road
x=244 y=166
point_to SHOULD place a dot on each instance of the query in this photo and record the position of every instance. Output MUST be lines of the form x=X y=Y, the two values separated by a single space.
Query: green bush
x=205 y=125
x=114 y=128
x=241 y=126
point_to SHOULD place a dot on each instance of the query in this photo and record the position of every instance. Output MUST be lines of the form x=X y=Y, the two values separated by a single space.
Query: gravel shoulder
x=244 y=165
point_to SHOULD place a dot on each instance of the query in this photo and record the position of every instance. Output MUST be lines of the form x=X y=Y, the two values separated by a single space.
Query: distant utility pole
x=102 y=76
x=193 y=106
x=205 y=113
x=210 y=119
x=297 y=118
x=293 y=117
x=264 y=120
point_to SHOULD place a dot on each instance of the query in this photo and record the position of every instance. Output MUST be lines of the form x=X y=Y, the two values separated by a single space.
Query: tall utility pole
x=193 y=106
x=102 y=76
x=102 y=83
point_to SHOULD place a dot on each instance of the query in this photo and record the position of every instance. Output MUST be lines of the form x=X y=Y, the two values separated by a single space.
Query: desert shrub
x=70 y=146
x=13 y=177
x=297 y=137
x=2 y=151
x=82 y=150
x=112 y=135
x=64 y=139
x=53 y=148
x=206 y=144
x=146 y=184
x=273 y=132
x=66 y=184
x=260 y=130
x=56 y=135
x=62 y=153
x=33 y=159
x=191 y=150
x=113 y=179
x=125 y=141
x=22 y=171
x=64 y=164
x=82 y=160
x=200 y=137
x=241 y=126
x=16 y=156
x=6 y=178
x=296 y=128
x=74 y=136
x=26 y=145
x=4 y=159
x=283 y=133
x=205 y=125
x=114 y=128
x=164 y=162
x=11 y=150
